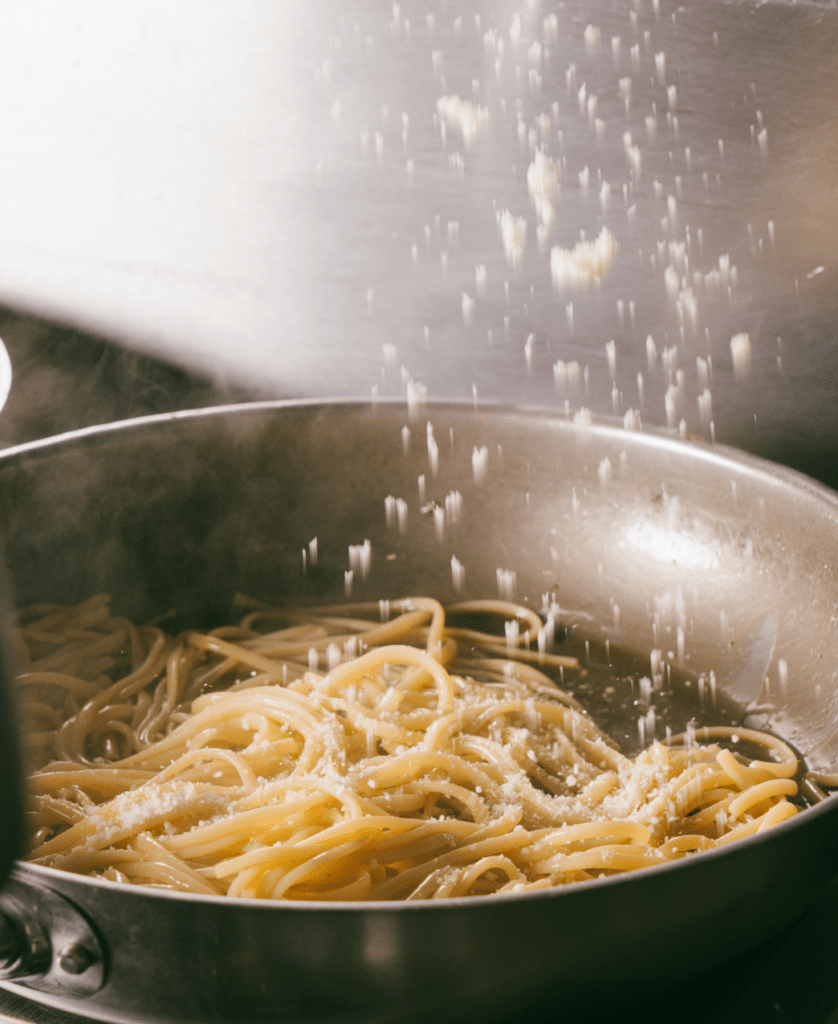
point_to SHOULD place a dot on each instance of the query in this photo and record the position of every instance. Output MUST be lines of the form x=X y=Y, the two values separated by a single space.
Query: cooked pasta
x=339 y=754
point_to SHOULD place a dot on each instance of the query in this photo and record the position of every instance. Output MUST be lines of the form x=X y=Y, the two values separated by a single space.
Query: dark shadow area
x=64 y=379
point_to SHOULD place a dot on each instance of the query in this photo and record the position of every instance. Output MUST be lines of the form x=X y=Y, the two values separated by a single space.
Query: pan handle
x=46 y=943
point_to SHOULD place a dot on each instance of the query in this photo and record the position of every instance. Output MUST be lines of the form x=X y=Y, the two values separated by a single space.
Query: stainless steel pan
x=719 y=560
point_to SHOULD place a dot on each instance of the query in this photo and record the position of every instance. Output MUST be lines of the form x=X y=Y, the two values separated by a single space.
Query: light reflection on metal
x=5 y=374
x=670 y=546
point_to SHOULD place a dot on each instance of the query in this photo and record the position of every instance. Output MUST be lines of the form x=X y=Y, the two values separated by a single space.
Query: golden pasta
x=326 y=755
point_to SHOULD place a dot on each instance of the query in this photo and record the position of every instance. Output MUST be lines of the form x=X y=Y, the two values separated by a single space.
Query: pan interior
x=657 y=557
x=720 y=563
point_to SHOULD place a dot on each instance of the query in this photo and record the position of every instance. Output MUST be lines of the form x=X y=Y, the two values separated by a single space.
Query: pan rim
x=602 y=426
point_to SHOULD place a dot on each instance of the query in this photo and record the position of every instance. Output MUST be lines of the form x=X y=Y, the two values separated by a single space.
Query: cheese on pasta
x=338 y=754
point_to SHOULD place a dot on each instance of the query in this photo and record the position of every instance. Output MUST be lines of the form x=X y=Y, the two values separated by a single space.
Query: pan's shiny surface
x=721 y=561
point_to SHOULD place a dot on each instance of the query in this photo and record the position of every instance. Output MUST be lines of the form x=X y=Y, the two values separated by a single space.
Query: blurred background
x=629 y=207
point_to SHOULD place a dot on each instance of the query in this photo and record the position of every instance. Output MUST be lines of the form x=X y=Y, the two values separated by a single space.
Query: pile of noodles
x=329 y=755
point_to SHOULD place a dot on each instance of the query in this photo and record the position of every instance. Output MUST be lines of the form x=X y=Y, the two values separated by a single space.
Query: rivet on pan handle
x=46 y=943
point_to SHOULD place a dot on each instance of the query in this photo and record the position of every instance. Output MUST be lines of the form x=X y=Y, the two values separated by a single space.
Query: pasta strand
x=427 y=762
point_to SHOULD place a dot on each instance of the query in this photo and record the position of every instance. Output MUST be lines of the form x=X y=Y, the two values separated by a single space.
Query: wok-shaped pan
x=722 y=562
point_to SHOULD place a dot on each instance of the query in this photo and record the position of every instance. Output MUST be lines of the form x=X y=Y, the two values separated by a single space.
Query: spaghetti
x=329 y=756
